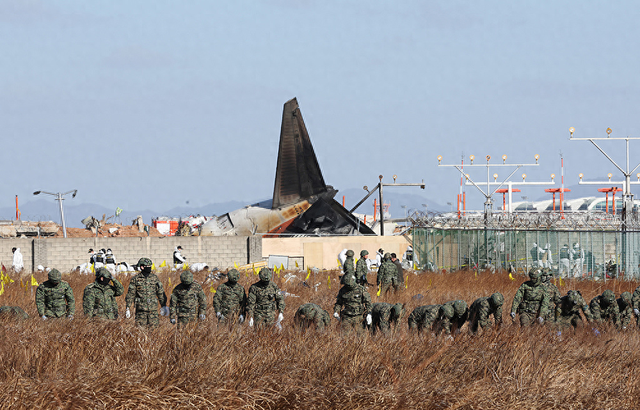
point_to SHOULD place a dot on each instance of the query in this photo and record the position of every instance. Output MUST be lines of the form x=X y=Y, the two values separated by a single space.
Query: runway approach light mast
x=627 y=196
x=488 y=204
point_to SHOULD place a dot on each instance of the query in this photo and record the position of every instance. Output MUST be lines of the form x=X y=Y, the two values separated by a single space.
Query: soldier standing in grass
x=626 y=309
x=531 y=300
x=452 y=316
x=361 y=268
x=353 y=304
x=146 y=290
x=604 y=308
x=263 y=300
x=568 y=310
x=554 y=295
x=230 y=299
x=387 y=275
x=481 y=310
x=54 y=297
x=99 y=298
x=188 y=302
x=399 y=282
x=423 y=317
x=385 y=314
x=348 y=267
x=309 y=315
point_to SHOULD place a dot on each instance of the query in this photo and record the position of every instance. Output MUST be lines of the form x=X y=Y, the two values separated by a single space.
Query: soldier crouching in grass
x=311 y=315
x=263 y=300
x=531 y=300
x=383 y=315
x=147 y=292
x=568 y=310
x=481 y=310
x=353 y=305
x=423 y=317
x=188 y=302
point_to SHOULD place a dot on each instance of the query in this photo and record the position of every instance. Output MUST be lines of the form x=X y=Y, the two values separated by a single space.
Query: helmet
x=103 y=273
x=574 y=296
x=350 y=253
x=397 y=310
x=460 y=306
x=144 y=262
x=350 y=281
x=233 y=275
x=497 y=299
x=534 y=274
x=608 y=296
x=55 y=276
x=363 y=253
x=448 y=311
x=626 y=297
x=387 y=256
x=265 y=274
x=186 y=277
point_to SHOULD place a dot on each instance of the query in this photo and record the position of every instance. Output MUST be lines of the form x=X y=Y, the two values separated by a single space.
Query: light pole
x=59 y=197
x=450 y=206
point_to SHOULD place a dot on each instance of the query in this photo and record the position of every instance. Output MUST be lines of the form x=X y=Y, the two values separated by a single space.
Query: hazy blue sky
x=149 y=104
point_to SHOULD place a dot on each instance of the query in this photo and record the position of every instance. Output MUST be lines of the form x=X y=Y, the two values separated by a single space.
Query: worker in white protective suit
x=564 y=266
x=578 y=260
x=547 y=259
x=536 y=256
x=17 y=264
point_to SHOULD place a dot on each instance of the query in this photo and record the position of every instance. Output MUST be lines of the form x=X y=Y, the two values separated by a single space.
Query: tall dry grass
x=87 y=364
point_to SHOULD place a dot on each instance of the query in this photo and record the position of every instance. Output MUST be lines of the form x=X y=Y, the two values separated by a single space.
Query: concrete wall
x=66 y=254
x=322 y=252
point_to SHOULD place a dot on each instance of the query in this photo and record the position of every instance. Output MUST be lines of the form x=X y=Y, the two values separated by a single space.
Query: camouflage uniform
x=531 y=299
x=452 y=314
x=264 y=299
x=423 y=317
x=361 y=268
x=348 y=268
x=626 y=309
x=604 y=307
x=568 y=310
x=383 y=314
x=188 y=301
x=146 y=290
x=554 y=296
x=484 y=307
x=99 y=298
x=230 y=298
x=54 y=298
x=387 y=275
x=636 y=303
x=353 y=303
x=399 y=282
x=13 y=312
x=311 y=314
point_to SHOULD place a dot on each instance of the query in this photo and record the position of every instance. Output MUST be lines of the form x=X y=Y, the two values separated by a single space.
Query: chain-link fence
x=570 y=245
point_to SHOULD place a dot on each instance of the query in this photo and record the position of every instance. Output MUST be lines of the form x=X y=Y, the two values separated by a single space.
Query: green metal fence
x=584 y=254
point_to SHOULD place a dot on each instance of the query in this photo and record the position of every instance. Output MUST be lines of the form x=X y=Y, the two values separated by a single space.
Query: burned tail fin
x=298 y=174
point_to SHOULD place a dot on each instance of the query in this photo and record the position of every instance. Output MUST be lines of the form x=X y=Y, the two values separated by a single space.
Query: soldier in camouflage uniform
x=626 y=309
x=309 y=315
x=13 y=312
x=531 y=300
x=353 y=304
x=635 y=301
x=484 y=307
x=554 y=295
x=263 y=300
x=604 y=308
x=99 y=298
x=398 y=284
x=452 y=314
x=385 y=314
x=230 y=299
x=361 y=268
x=423 y=317
x=54 y=297
x=348 y=268
x=387 y=275
x=568 y=310
x=188 y=302
x=147 y=292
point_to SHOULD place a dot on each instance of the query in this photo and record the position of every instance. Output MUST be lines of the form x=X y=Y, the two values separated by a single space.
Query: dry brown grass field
x=112 y=365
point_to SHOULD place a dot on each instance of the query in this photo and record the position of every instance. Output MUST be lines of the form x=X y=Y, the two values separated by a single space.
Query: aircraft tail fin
x=298 y=174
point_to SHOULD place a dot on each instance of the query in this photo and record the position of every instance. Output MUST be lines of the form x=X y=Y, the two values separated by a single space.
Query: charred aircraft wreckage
x=302 y=203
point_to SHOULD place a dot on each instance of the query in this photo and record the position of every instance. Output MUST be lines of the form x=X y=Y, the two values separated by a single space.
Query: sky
x=158 y=104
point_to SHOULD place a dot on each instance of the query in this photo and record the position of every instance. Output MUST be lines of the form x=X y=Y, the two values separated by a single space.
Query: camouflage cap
x=350 y=253
x=144 y=262
x=626 y=297
x=233 y=275
x=103 y=273
x=534 y=274
x=350 y=281
x=448 y=311
x=363 y=253
x=186 y=277
x=497 y=299
x=460 y=306
x=608 y=296
x=265 y=274
x=397 y=310
x=55 y=275
x=387 y=255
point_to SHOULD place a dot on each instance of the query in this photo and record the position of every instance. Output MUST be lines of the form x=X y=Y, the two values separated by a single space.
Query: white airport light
x=580 y=175
x=524 y=176
x=495 y=177
x=439 y=159
x=571 y=131
x=488 y=158
x=394 y=178
x=466 y=176
x=553 y=176
x=472 y=157
x=537 y=157
x=609 y=131
x=504 y=159
x=609 y=175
